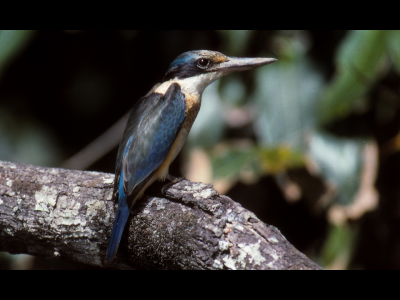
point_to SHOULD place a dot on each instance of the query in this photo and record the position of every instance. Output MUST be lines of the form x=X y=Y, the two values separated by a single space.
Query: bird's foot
x=173 y=180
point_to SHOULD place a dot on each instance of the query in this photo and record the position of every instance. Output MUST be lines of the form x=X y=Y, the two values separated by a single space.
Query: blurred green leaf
x=279 y=159
x=12 y=42
x=362 y=51
x=229 y=162
x=235 y=41
x=338 y=247
x=285 y=99
x=340 y=161
x=233 y=90
x=25 y=140
x=291 y=44
x=232 y=160
x=209 y=126
x=393 y=42
x=359 y=61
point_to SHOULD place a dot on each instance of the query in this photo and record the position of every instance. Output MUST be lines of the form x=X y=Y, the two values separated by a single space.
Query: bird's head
x=204 y=66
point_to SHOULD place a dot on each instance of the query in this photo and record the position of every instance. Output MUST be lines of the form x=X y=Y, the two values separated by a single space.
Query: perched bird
x=160 y=123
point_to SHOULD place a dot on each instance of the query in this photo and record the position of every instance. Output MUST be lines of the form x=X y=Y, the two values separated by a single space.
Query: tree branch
x=63 y=213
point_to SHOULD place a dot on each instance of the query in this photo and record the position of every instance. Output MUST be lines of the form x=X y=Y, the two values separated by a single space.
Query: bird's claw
x=173 y=181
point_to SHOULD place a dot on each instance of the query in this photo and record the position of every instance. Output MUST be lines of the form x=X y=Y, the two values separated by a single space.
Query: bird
x=159 y=124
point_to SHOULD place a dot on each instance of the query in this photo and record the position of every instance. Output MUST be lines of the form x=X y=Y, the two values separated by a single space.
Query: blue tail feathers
x=119 y=224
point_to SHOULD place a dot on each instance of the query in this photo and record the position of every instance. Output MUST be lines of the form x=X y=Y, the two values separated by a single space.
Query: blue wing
x=153 y=137
x=152 y=127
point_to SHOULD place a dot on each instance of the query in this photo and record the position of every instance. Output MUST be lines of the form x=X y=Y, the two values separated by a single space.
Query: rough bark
x=64 y=213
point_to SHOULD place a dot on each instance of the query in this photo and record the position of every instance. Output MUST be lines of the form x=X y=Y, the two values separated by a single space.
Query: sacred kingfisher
x=159 y=124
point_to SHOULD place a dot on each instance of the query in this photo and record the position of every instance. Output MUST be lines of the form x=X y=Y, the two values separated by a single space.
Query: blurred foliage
x=12 y=42
x=338 y=248
x=230 y=160
x=361 y=58
x=308 y=141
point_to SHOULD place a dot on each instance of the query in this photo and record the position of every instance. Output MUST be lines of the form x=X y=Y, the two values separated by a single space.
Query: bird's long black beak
x=237 y=64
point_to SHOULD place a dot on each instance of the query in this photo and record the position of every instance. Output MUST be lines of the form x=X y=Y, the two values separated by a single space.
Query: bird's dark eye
x=203 y=63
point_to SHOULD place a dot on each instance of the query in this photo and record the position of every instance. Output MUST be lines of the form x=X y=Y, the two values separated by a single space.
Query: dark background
x=61 y=90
